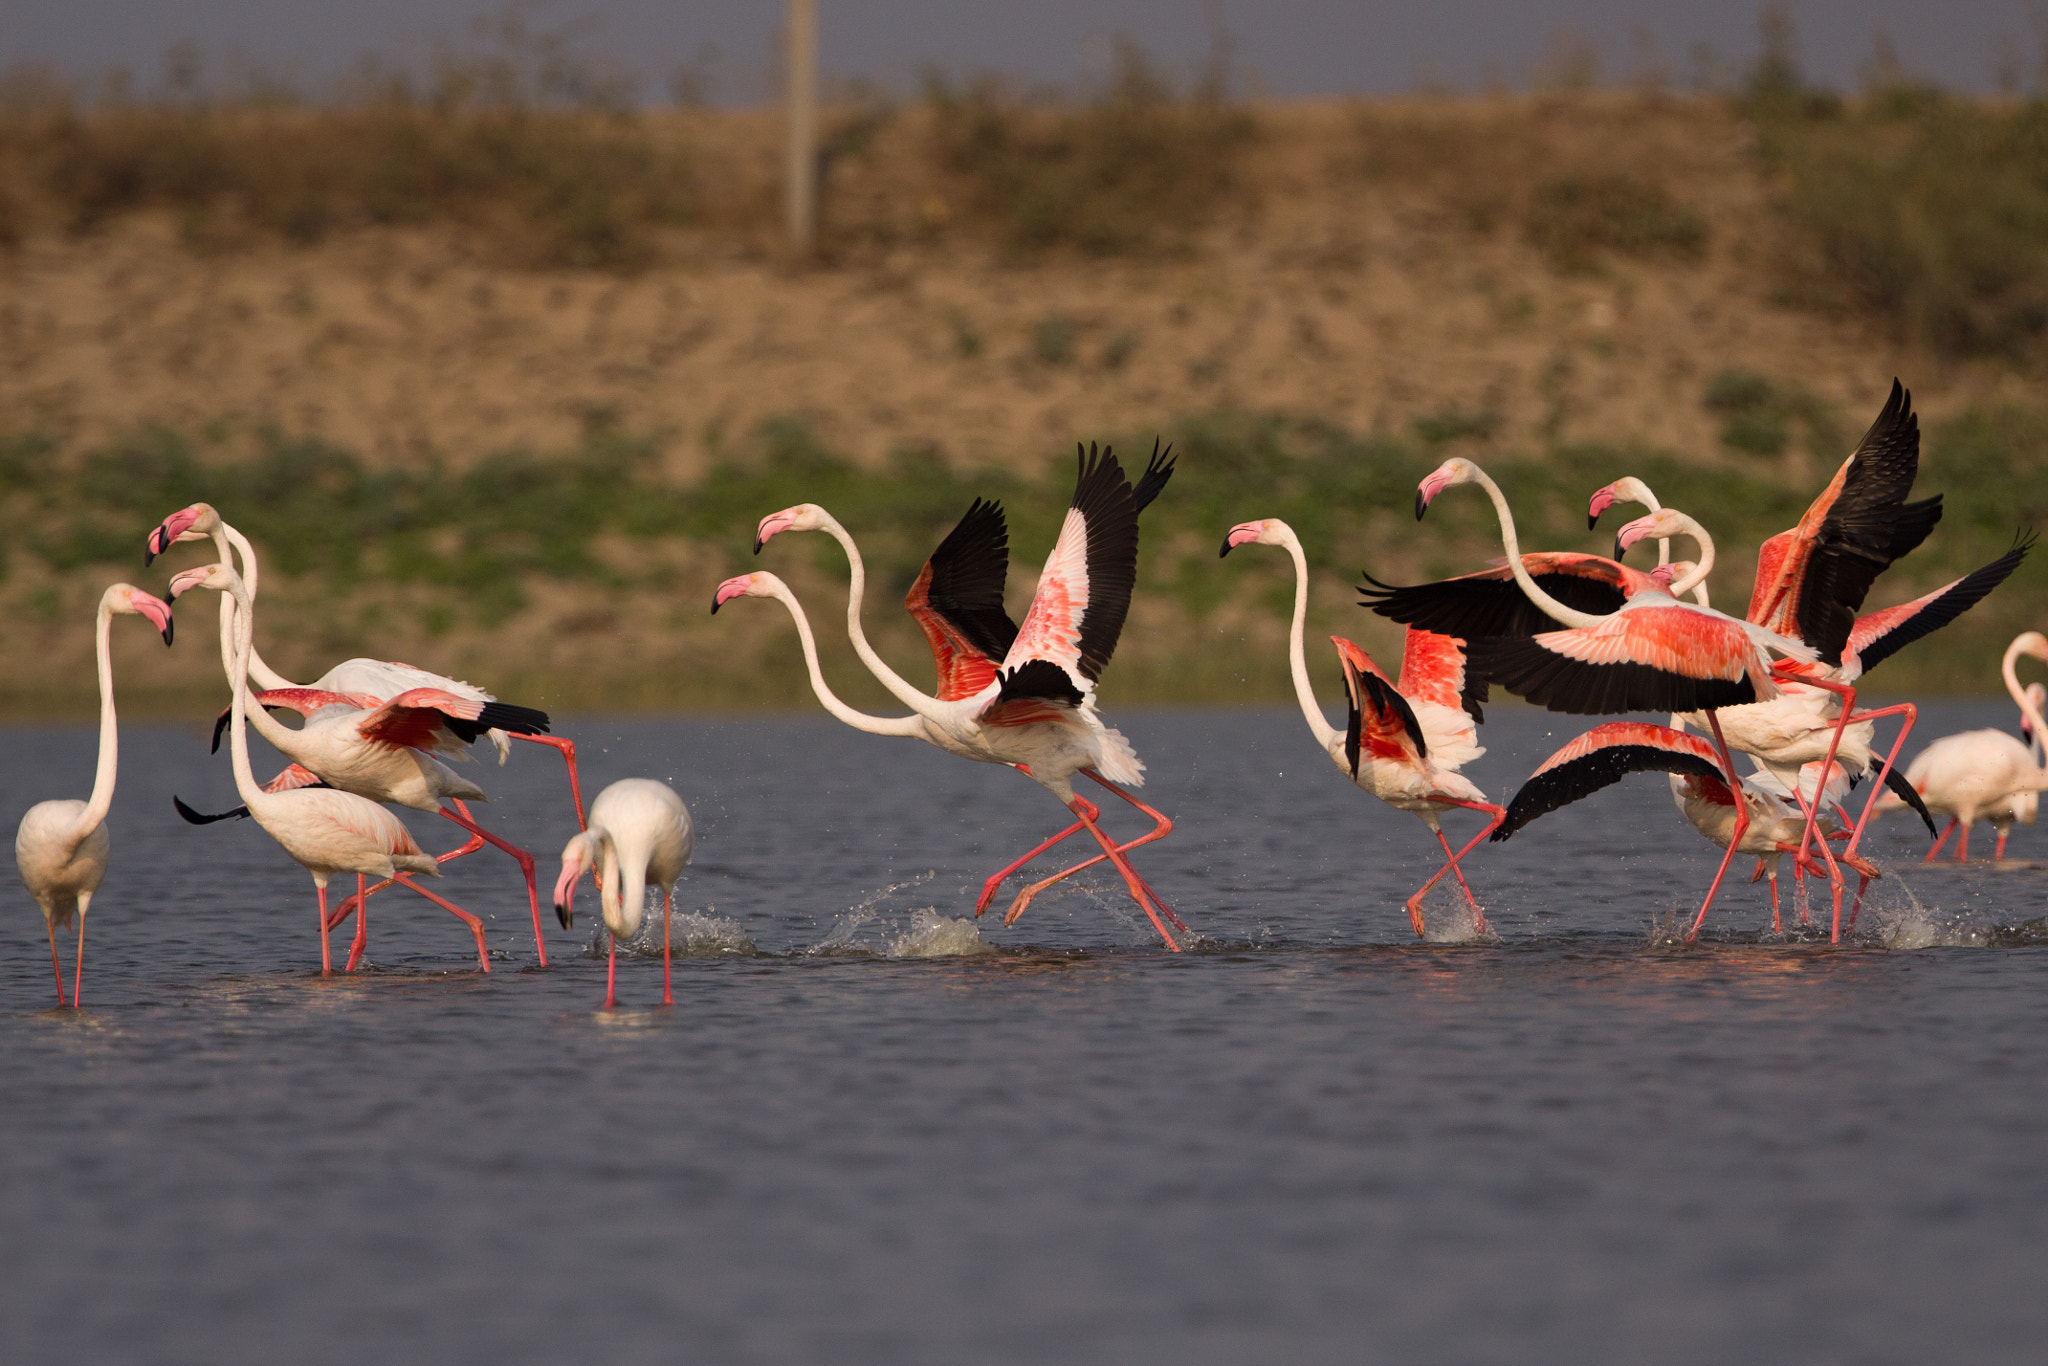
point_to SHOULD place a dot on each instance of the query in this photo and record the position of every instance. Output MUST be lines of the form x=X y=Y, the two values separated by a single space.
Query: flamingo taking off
x=61 y=847
x=1029 y=703
x=1652 y=653
x=326 y=831
x=1978 y=774
x=1406 y=738
x=639 y=836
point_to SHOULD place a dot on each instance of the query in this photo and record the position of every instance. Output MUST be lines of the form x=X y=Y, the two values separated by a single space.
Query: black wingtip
x=218 y=726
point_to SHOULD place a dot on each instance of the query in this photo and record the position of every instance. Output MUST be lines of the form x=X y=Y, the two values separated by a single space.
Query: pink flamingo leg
x=1996 y=854
x=1963 y=844
x=988 y=888
x=326 y=962
x=668 y=906
x=1161 y=827
x=1834 y=874
x=362 y=939
x=611 y=973
x=476 y=927
x=1946 y=831
x=1741 y=824
x=78 y=965
x=348 y=907
x=1909 y=715
x=1777 y=925
x=1131 y=878
x=56 y=966
x=568 y=749
x=1451 y=861
x=525 y=860
x=1848 y=696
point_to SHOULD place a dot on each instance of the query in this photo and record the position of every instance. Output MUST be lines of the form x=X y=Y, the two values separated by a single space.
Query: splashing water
x=848 y=933
x=932 y=935
x=1893 y=917
x=692 y=934
x=1447 y=917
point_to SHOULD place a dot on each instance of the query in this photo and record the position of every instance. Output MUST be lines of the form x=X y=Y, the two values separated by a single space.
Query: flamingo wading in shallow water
x=639 y=836
x=324 y=751
x=324 y=830
x=1405 y=740
x=61 y=847
x=1029 y=703
x=1975 y=775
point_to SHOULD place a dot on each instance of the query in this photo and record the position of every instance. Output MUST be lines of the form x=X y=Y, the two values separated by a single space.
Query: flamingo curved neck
x=856 y=589
x=1297 y=654
x=1639 y=492
x=238 y=732
x=859 y=720
x=223 y=537
x=1509 y=542
x=102 y=799
x=2019 y=696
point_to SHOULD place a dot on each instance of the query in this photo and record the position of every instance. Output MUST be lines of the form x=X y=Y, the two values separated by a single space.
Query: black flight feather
x=1528 y=670
x=968 y=572
x=1603 y=767
x=1103 y=498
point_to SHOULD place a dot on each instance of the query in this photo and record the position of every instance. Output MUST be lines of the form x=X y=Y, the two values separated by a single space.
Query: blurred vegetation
x=1573 y=218
x=476 y=553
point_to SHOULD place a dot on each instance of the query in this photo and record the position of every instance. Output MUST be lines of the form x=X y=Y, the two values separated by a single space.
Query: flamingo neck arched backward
x=1811 y=581
x=762 y=584
x=119 y=599
x=811 y=517
x=1627 y=489
x=1273 y=531
x=1663 y=524
x=2033 y=645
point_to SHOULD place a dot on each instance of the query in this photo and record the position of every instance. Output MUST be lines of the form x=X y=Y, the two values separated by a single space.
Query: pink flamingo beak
x=1428 y=489
x=188 y=580
x=157 y=610
x=732 y=588
x=1602 y=501
x=174 y=527
x=565 y=893
x=1630 y=534
x=1244 y=533
x=772 y=524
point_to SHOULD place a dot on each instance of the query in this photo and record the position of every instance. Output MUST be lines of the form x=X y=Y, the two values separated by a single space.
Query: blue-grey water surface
x=1311 y=1139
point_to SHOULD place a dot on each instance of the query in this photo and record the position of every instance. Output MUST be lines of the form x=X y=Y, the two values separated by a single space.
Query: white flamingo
x=1978 y=774
x=61 y=847
x=1406 y=739
x=325 y=830
x=1033 y=706
x=639 y=836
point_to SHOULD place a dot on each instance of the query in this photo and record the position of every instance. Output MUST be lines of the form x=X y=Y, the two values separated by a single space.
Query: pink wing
x=1666 y=656
x=306 y=701
x=1085 y=592
x=1605 y=755
x=1433 y=670
x=294 y=776
x=418 y=719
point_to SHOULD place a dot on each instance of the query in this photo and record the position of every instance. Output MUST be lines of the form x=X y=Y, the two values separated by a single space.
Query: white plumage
x=639 y=836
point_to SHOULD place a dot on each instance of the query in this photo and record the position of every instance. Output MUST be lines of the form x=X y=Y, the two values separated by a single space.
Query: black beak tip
x=1592 y=520
x=568 y=918
x=715 y=604
x=758 y=543
x=170 y=630
x=1619 y=549
x=1421 y=505
x=1226 y=548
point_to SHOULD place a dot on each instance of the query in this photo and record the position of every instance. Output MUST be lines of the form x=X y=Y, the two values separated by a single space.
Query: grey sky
x=1295 y=47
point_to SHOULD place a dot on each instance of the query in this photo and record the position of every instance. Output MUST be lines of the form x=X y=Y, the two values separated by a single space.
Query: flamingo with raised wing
x=61 y=847
x=1032 y=706
x=324 y=830
x=639 y=836
x=1405 y=738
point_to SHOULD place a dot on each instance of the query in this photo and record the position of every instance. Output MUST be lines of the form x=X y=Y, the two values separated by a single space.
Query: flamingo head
x=126 y=598
x=802 y=517
x=218 y=577
x=194 y=523
x=1269 y=531
x=744 y=586
x=1627 y=489
x=1659 y=525
x=1663 y=574
x=1452 y=472
x=2032 y=644
x=579 y=856
x=2037 y=697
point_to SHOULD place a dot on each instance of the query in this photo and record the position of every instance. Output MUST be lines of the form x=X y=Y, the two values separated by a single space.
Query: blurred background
x=487 y=326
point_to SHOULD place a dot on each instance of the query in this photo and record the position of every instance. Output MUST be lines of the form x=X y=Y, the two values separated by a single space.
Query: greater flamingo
x=1652 y=653
x=1405 y=739
x=1034 y=709
x=324 y=830
x=61 y=847
x=1974 y=775
x=377 y=678
x=366 y=738
x=639 y=836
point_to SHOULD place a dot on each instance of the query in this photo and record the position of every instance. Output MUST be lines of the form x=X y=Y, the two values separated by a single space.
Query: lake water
x=1310 y=1139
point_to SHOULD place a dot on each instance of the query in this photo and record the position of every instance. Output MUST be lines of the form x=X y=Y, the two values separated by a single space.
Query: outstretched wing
x=1602 y=757
x=1381 y=722
x=1662 y=657
x=442 y=722
x=958 y=601
x=1158 y=470
x=1880 y=635
x=1085 y=592
x=1491 y=603
x=1433 y=670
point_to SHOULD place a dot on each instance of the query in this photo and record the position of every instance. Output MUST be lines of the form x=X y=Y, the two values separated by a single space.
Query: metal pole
x=801 y=189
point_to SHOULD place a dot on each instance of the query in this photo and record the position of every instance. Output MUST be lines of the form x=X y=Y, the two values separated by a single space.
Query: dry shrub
x=1138 y=168
x=1574 y=218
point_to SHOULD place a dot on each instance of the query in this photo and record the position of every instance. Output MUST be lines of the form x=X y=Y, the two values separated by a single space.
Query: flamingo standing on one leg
x=1653 y=653
x=378 y=678
x=324 y=830
x=1974 y=775
x=640 y=836
x=1035 y=710
x=1405 y=740
x=61 y=847
x=957 y=601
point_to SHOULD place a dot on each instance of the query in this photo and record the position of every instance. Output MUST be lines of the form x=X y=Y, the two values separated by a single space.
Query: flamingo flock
x=1575 y=633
